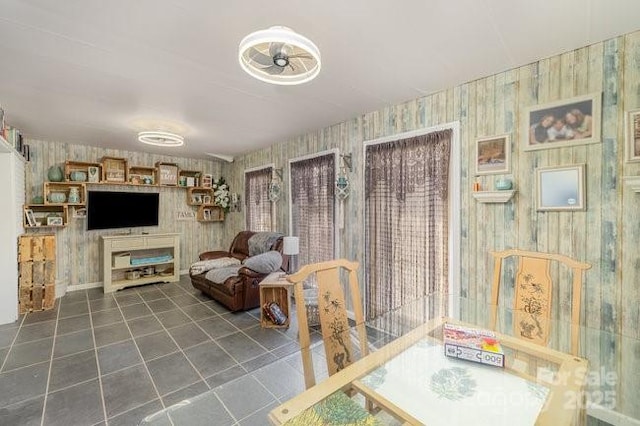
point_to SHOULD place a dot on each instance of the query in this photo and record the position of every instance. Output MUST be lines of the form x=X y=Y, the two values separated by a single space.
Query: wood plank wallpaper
x=607 y=234
x=79 y=249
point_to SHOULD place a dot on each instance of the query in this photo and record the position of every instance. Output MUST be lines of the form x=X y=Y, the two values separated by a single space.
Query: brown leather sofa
x=240 y=292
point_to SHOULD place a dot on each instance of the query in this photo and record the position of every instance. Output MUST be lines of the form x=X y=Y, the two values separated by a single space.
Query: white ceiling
x=95 y=72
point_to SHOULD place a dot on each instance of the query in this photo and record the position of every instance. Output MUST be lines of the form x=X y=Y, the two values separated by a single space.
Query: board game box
x=472 y=344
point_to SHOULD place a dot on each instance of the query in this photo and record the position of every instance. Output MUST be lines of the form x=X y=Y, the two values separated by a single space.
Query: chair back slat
x=533 y=294
x=340 y=350
x=534 y=290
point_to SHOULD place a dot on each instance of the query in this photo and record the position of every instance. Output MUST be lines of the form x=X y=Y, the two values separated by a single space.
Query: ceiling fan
x=279 y=55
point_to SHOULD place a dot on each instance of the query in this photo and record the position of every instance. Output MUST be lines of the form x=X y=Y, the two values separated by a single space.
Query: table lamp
x=290 y=247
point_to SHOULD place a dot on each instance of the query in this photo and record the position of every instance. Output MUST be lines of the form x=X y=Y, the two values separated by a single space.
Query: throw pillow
x=264 y=263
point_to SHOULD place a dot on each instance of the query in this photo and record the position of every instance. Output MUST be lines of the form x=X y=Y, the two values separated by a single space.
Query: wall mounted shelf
x=632 y=182
x=493 y=196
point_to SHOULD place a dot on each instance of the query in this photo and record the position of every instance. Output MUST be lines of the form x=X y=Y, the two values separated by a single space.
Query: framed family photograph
x=574 y=121
x=560 y=188
x=493 y=155
x=633 y=136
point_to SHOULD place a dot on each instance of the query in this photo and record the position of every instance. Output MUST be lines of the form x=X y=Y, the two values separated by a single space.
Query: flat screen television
x=109 y=210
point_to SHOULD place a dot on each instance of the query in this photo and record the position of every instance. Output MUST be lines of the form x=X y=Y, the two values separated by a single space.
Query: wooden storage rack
x=37 y=272
x=138 y=173
x=42 y=211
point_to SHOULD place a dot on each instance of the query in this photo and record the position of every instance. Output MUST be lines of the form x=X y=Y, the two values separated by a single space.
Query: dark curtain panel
x=312 y=207
x=258 y=211
x=407 y=210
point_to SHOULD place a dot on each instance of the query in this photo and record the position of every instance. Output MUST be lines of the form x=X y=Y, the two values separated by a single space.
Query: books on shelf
x=472 y=344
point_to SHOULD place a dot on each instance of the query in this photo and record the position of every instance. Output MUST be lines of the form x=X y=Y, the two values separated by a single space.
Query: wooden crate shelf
x=114 y=169
x=42 y=211
x=200 y=197
x=64 y=187
x=189 y=178
x=80 y=166
x=215 y=214
x=138 y=174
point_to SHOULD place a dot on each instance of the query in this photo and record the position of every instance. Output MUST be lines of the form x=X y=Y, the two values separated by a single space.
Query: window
x=312 y=207
x=258 y=209
x=407 y=219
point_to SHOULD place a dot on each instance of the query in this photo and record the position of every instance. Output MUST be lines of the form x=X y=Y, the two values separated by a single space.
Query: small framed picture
x=206 y=214
x=568 y=122
x=560 y=188
x=633 y=136
x=207 y=180
x=93 y=174
x=54 y=221
x=30 y=217
x=493 y=155
x=206 y=199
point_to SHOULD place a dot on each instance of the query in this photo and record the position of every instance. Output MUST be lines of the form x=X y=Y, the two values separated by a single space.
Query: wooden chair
x=336 y=331
x=533 y=294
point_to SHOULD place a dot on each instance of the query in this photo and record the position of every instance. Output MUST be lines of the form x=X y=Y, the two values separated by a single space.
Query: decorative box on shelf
x=114 y=169
x=167 y=174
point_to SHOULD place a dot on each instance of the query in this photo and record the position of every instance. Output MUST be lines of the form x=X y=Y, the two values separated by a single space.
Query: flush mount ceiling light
x=279 y=55
x=160 y=138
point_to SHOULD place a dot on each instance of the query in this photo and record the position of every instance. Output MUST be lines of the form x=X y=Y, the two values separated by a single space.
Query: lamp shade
x=290 y=245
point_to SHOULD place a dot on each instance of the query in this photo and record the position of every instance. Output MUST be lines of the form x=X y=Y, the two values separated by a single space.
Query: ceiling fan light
x=160 y=138
x=289 y=38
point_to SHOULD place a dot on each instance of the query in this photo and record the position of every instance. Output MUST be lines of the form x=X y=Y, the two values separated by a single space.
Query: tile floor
x=112 y=359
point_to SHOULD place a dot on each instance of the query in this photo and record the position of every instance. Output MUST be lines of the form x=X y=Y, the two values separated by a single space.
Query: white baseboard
x=61 y=288
x=84 y=286
x=98 y=284
x=613 y=417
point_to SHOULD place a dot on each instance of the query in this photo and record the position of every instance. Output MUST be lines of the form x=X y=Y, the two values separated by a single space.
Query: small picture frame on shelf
x=93 y=174
x=54 y=221
x=207 y=180
x=31 y=218
x=633 y=136
x=196 y=199
x=206 y=199
x=206 y=214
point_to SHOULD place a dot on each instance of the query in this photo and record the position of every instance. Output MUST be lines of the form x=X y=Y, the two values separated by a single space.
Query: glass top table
x=408 y=378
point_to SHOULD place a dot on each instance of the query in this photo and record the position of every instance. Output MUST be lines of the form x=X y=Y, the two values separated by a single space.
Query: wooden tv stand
x=138 y=247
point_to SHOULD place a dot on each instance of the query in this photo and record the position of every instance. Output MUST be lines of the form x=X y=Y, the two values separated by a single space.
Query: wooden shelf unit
x=41 y=211
x=78 y=166
x=138 y=246
x=195 y=194
x=137 y=174
x=216 y=214
x=192 y=178
x=493 y=196
x=49 y=187
x=114 y=169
